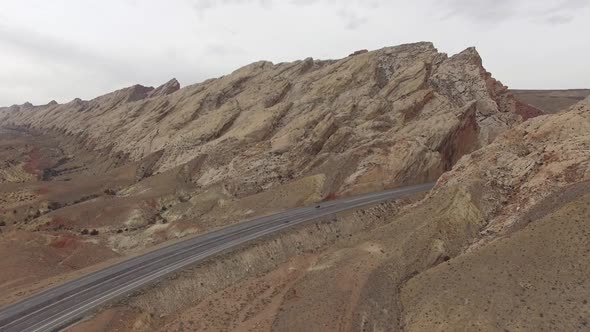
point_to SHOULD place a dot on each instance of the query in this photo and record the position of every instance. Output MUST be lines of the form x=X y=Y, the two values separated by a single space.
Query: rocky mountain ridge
x=373 y=120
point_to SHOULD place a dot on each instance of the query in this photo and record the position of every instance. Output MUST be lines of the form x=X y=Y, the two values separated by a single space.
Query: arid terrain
x=500 y=244
x=551 y=101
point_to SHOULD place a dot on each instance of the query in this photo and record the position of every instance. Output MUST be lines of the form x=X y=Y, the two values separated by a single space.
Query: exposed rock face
x=526 y=164
x=529 y=260
x=355 y=53
x=165 y=89
x=393 y=116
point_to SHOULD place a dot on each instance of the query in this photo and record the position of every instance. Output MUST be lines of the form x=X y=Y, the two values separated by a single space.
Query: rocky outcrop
x=359 y=52
x=165 y=89
x=530 y=192
x=527 y=164
x=389 y=117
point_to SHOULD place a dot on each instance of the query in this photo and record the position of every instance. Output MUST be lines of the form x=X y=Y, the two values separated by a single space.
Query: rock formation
x=379 y=119
x=165 y=89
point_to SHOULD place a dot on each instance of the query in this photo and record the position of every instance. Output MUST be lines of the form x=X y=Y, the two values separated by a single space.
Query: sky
x=64 y=49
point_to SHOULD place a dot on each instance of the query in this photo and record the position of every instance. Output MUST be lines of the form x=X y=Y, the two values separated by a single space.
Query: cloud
x=347 y=10
x=58 y=51
x=558 y=19
x=223 y=50
x=496 y=11
x=68 y=53
x=571 y=5
x=488 y=10
x=209 y=4
x=43 y=67
x=202 y=6
x=564 y=12
x=352 y=20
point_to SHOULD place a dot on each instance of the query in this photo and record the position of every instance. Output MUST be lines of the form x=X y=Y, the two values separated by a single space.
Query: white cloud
x=495 y=11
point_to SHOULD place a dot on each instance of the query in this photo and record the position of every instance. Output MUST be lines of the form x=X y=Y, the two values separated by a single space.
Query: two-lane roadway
x=57 y=307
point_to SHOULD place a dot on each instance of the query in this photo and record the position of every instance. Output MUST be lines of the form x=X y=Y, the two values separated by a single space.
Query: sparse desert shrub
x=110 y=192
x=84 y=232
x=94 y=232
x=53 y=206
x=2 y=223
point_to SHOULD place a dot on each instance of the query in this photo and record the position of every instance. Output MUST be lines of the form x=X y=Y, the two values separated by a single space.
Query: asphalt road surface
x=58 y=307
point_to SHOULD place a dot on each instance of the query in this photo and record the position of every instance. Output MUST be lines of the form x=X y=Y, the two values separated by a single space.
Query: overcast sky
x=64 y=49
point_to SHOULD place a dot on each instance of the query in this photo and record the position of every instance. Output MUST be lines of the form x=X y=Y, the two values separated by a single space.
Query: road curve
x=57 y=307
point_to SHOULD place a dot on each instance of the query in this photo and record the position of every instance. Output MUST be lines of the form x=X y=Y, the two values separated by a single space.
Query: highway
x=58 y=307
